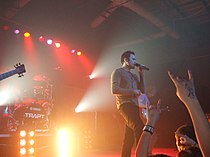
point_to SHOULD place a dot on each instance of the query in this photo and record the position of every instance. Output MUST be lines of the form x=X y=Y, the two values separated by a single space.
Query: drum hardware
x=40 y=78
x=34 y=109
x=35 y=115
x=42 y=88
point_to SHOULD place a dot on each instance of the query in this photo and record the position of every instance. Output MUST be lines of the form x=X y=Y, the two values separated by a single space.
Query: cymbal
x=40 y=77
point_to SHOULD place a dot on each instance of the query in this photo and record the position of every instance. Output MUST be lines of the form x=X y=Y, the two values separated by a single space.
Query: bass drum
x=31 y=115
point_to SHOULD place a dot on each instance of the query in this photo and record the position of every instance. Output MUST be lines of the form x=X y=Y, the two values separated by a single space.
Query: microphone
x=141 y=66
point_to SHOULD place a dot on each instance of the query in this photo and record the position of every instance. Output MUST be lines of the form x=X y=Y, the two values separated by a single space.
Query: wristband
x=149 y=129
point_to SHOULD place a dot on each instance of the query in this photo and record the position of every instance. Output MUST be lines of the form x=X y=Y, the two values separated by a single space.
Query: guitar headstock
x=20 y=69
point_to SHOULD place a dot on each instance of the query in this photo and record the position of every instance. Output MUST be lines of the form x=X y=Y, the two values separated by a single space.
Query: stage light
x=80 y=108
x=31 y=142
x=73 y=51
x=27 y=141
x=16 y=31
x=41 y=39
x=8 y=94
x=22 y=133
x=31 y=133
x=49 y=41
x=27 y=34
x=87 y=141
x=31 y=151
x=79 y=53
x=22 y=151
x=92 y=76
x=5 y=28
x=89 y=103
x=57 y=45
x=4 y=97
x=64 y=143
x=22 y=142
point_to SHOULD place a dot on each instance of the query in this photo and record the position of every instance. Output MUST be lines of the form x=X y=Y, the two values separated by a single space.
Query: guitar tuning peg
x=20 y=75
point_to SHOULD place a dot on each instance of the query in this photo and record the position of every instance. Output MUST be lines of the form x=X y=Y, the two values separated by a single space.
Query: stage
x=45 y=146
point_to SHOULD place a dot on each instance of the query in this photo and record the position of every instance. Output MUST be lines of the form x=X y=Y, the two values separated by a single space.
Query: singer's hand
x=141 y=67
x=137 y=92
x=140 y=70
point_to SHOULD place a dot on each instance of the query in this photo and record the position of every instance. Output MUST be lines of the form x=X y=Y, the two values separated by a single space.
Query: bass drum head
x=33 y=112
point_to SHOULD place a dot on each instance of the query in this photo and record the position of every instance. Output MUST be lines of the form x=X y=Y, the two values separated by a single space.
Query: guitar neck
x=7 y=74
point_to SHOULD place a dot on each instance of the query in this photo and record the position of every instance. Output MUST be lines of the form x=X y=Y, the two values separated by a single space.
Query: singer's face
x=132 y=61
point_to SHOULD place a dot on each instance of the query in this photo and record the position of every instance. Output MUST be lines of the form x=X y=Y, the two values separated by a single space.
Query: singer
x=127 y=86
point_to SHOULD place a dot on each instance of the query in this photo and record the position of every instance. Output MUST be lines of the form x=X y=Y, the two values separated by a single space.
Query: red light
x=79 y=53
x=5 y=28
x=41 y=39
x=27 y=34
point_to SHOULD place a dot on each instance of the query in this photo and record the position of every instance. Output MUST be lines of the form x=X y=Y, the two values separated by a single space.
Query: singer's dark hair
x=126 y=54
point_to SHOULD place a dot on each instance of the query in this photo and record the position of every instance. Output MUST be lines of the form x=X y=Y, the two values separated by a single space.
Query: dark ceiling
x=93 y=24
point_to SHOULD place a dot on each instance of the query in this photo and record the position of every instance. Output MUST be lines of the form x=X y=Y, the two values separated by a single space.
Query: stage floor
x=45 y=147
x=115 y=153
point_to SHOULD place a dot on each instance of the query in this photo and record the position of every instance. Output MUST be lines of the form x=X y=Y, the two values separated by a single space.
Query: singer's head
x=128 y=59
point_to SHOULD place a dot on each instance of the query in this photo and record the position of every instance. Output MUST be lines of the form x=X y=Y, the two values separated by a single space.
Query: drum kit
x=34 y=109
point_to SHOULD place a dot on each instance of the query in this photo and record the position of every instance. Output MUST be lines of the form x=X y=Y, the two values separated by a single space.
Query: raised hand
x=185 y=89
x=153 y=113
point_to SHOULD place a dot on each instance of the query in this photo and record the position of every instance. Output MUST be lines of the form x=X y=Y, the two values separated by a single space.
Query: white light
x=4 y=97
x=92 y=76
x=8 y=94
x=31 y=151
x=31 y=133
x=49 y=41
x=64 y=143
x=31 y=142
x=22 y=142
x=22 y=133
x=98 y=89
x=22 y=151
x=81 y=107
x=16 y=31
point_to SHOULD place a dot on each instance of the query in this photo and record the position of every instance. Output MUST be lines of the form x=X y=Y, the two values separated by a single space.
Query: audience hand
x=185 y=89
x=153 y=113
